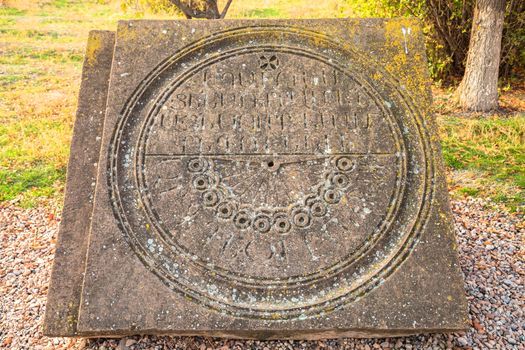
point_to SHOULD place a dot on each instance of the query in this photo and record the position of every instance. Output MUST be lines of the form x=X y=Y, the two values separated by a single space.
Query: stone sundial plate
x=266 y=179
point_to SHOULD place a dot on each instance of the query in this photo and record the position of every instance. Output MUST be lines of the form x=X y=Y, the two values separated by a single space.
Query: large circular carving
x=263 y=172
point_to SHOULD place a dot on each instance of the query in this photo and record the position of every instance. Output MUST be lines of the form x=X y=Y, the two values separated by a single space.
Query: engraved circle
x=226 y=210
x=242 y=220
x=262 y=223
x=318 y=208
x=243 y=305
x=345 y=164
x=301 y=218
x=210 y=198
x=282 y=223
x=330 y=195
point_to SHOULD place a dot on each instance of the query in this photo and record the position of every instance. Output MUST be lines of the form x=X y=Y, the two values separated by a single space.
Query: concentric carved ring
x=199 y=193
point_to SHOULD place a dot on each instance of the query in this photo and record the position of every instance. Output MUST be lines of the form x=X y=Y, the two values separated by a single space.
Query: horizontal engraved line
x=356 y=154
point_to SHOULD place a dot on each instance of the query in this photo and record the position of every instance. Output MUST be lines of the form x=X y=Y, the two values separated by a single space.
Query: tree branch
x=186 y=10
x=223 y=14
x=210 y=11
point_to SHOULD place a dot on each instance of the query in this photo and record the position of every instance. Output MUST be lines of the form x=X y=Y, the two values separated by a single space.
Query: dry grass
x=41 y=52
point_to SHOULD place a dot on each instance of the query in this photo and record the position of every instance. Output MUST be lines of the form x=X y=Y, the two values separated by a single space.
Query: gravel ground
x=491 y=245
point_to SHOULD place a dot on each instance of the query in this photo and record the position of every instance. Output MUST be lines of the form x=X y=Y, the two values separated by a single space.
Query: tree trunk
x=201 y=8
x=478 y=90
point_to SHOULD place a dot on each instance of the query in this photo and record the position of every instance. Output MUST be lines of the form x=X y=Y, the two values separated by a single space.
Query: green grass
x=11 y=11
x=469 y=191
x=7 y=79
x=61 y=3
x=492 y=150
x=263 y=13
x=40 y=67
x=26 y=55
x=6 y=21
x=31 y=184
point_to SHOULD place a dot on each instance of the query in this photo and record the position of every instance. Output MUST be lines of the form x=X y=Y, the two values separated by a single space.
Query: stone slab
x=69 y=263
x=270 y=179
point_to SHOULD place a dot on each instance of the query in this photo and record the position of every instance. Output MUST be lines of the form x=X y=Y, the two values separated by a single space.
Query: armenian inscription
x=258 y=177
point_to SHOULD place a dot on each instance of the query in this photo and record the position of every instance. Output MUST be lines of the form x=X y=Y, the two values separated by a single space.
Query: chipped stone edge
x=68 y=268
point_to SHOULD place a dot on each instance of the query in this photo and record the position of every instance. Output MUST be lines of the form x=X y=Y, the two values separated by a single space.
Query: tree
x=478 y=90
x=201 y=8
x=447 y=26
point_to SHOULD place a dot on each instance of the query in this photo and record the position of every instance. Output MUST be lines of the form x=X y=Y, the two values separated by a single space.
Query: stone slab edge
x=70 y=255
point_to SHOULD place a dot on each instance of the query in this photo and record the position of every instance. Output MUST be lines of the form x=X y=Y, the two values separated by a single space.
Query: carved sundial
x=264 y=178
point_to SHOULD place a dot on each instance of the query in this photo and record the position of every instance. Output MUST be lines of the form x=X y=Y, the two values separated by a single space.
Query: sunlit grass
x=32 y=184
x=41 y=51
x=289 y=9
x=489 y=156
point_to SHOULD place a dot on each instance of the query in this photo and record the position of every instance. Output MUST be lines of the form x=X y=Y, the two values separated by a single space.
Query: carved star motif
x=269 y=62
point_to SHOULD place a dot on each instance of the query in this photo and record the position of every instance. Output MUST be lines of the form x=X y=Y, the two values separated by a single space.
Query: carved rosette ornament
x=254 y=148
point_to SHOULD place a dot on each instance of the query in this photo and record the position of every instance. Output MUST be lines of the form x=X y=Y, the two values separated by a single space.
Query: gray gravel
x=492 y=253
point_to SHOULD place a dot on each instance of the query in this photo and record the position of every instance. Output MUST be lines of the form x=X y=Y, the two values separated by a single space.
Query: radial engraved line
x=264 y=182
x=326 y=232
x=286 y=190
x=273 y=191
x=266 y=192
x=210 y=237
x=319 y=172
x=233 y=175
x=251 y=184
x=246 y=179
x=293 y=185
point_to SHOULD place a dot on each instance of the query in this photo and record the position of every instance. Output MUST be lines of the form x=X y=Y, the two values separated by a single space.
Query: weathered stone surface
x=66 y=280
x=270 y=179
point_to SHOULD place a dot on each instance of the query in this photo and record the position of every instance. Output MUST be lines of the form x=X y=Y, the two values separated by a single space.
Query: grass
x=41 y=51
x=487 y=155
x=262 y=13
x=11 y=11
x=42 y=47
x=37 y=181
